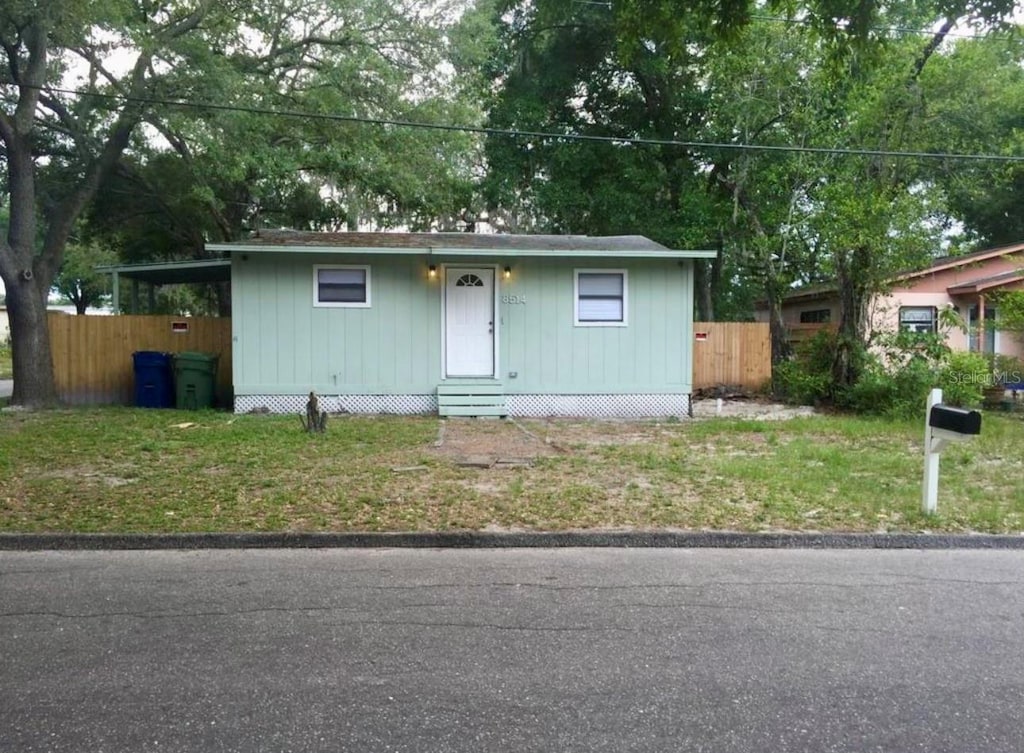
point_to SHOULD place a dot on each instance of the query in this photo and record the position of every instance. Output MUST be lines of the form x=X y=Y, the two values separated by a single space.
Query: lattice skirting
x=397 y=404
x=532 y=406
x=598 y=406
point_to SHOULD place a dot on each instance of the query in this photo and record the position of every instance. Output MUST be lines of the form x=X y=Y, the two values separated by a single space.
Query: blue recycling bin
x=154 y=379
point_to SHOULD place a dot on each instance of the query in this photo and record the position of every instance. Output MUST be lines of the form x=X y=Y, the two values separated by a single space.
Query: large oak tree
x=92 y=89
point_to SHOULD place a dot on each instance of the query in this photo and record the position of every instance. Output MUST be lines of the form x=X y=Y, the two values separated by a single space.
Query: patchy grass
x=128 y=470
x=6 y=364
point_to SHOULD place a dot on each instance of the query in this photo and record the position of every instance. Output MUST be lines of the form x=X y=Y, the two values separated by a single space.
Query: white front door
x=469 y=322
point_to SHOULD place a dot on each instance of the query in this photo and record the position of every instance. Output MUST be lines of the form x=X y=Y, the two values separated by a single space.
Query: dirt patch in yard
x=491 y=443
x=757 y=410
x=85 y=475
x=483 y=443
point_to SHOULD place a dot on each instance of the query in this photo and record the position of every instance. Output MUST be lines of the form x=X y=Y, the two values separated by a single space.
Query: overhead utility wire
x=809 y=22
x=895 y=29
x=548 y=136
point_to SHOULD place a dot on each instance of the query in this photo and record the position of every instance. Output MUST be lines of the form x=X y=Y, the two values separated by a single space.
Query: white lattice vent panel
x=598 y=406
x=396 y=404
x=534 y=406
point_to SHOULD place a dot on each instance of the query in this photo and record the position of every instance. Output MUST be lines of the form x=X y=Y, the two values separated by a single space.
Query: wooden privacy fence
x=92 y=355
x=737 y=354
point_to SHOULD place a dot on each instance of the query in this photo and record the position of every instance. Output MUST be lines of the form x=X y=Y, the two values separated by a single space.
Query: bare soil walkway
x=483 y=443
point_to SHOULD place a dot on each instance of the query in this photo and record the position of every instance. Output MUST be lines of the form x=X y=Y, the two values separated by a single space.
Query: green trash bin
x=194 y=380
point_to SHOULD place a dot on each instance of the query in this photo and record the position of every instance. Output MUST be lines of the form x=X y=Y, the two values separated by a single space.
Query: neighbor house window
x=341 y=286
x=816 y=316
x=600 y=297
x=919 y=319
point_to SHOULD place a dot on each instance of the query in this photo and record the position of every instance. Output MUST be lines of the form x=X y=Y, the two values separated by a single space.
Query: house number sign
x=513 y=299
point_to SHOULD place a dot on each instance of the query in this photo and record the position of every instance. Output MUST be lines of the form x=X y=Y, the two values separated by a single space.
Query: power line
x=893 y=29
x=808 y=22
x=550 y=136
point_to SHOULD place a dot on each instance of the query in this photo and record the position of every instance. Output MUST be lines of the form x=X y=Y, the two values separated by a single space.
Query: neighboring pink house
x=965 y=283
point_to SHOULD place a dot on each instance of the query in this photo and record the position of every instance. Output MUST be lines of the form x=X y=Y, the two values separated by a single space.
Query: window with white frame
x=919 y=319
x=600 y=297
x=342 y=286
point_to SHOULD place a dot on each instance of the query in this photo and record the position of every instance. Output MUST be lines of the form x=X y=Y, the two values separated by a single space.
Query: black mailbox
x=957 y=420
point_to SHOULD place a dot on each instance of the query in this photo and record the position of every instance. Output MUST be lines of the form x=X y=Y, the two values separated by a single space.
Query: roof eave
x=960 y=261
x=505 y=253
x=981 y=287
x=150 y=266
x=172 y=272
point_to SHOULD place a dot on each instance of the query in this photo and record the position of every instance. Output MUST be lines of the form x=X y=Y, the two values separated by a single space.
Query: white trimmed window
x=600 y=297
x=919 y=319
x=340 y=286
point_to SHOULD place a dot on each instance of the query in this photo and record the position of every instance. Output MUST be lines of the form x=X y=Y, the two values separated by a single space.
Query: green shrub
x=895 y=376
x=901 y=370
x=795 y=383
x=806 y=379
x=897 y=391
x=963 y=377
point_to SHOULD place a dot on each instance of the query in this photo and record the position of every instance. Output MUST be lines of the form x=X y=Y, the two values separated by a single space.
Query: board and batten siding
x=284 y=345
x=540 y=343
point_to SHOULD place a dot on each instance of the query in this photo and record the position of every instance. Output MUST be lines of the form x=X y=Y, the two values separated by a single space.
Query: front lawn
x=6 y=365
x=134 y=470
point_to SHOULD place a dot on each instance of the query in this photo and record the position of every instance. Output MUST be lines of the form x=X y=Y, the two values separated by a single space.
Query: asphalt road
x=512 y=650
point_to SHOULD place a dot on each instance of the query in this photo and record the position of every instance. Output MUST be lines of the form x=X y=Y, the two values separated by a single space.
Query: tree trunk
x=34 y=384
x=26 y=272
x=853 y=300
x=715 y=282
x=26 y=277
x=223 y=293
x=781 y=350
x=702 y=291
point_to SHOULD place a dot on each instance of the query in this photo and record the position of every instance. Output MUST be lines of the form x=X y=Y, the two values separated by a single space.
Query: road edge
x=508 y=540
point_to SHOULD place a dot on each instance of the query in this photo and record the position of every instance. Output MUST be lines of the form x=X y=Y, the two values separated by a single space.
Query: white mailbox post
x=943 y=424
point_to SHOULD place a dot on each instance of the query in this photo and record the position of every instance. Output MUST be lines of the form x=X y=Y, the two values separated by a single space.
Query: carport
x=162 y=273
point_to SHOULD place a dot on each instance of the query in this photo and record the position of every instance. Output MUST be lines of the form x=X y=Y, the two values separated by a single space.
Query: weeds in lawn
x=153 y=470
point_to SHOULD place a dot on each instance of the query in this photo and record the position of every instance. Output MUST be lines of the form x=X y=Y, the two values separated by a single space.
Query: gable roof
x=827 y=289
x=458 y=244
x=962 y=260
x=985 y=283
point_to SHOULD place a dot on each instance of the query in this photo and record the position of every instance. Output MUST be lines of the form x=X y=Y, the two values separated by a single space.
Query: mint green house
x=462 y=324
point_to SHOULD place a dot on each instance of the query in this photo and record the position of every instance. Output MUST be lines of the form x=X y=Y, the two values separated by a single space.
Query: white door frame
x=445 y=268
x=982 y=334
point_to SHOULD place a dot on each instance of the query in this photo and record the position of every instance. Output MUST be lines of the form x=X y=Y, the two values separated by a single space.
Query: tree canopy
x=100 y=92
x=732 y=93
x=149 y=127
